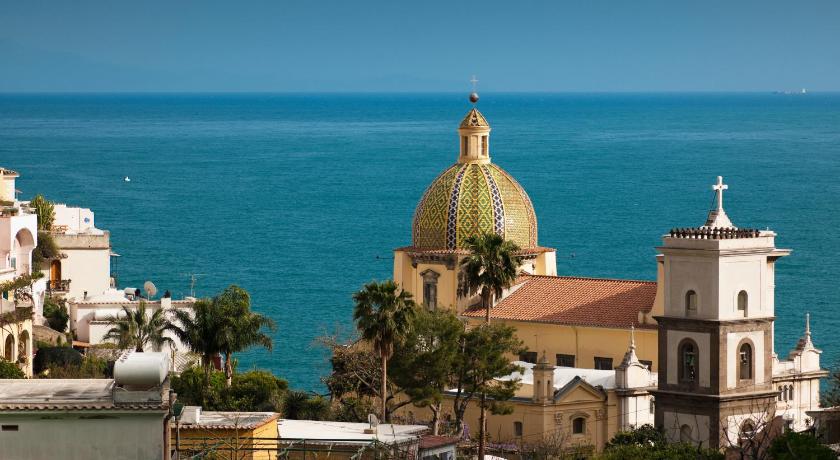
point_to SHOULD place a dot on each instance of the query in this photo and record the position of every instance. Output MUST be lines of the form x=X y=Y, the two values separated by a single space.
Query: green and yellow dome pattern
x=471 y=199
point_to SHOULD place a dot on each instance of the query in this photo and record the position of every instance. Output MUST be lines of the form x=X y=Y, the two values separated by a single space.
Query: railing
x=58 y=285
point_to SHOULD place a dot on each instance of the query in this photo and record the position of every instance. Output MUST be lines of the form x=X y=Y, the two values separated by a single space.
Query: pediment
x=578 y=390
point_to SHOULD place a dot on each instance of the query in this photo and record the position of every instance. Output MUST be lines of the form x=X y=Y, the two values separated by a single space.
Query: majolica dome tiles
x=472 y=199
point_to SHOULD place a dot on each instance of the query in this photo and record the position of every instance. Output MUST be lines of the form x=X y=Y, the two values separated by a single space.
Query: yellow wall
x=239 y=444
x=584 y=342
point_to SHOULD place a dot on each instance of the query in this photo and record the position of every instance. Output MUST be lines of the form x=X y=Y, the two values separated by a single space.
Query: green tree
x=55 y=313
x=243 y=328
x=424 y=364
x=489 y=269
x=383 y=316
x=10 y=370
x=300 y=405
x=484 y=358
x=649 y=443
x=201 y=332
x=136 y=329
x=45 y=211
x=792 y=446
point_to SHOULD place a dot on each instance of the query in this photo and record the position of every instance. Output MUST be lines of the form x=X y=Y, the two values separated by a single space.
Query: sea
x=300 y=198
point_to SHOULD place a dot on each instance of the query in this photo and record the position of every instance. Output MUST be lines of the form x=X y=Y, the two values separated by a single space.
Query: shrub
x=10 y=370
x=55 y=356
x=91 y=367
x=792 y=445
x=249 y=391
x=56 y=314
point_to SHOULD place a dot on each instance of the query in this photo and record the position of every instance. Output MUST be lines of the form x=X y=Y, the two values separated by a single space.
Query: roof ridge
x=591 y=278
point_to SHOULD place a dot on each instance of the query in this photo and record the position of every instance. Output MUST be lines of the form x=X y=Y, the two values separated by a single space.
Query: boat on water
x=126 y=179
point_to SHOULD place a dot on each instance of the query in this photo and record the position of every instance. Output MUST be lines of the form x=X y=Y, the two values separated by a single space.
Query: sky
x=359 y=46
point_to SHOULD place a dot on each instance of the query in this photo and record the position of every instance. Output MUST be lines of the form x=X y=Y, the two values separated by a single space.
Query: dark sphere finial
x=473 y=97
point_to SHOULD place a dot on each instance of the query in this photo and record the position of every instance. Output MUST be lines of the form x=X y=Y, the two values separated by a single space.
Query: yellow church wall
x=550 y=423
x=585 y=343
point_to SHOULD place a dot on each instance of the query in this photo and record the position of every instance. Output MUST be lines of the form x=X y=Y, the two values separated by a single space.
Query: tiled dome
x=471 y=199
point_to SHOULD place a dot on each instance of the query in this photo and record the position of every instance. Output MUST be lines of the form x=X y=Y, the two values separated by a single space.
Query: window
x=579 y=425
x=685 y=433
x=430 y=278
x=652 y=406
x=466 y=148
x=745 y=360
x=690 y=303
x=647 y=363
x=604 y=364
x=484 y=146
x=517 y=428
x=565 y=360
x=742 y=302
x=9 y=428
x=529 y=357
x=747 y=429
x=687 y=366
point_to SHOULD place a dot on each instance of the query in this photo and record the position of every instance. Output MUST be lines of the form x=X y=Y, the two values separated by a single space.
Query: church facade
x=692 y=352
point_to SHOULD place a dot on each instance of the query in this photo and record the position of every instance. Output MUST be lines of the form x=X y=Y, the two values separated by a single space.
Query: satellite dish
x=150 y=289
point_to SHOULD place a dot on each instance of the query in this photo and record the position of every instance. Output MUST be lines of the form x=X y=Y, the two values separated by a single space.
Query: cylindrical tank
x=141 y=369
x=108 y=314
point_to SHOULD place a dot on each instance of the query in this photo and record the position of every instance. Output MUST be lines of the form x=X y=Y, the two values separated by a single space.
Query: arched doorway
x=9 y=349
x=24 y=347
x=21 y=253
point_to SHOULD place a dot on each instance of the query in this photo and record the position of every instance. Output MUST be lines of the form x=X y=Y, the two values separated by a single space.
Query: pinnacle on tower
x=717 y=217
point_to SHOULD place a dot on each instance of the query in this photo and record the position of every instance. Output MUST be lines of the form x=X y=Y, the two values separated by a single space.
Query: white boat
x=126 y=179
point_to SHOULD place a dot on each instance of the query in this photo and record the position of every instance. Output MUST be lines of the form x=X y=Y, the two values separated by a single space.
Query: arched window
x=652 y=407
x=790 y=393
x=687 y=366
x=517 y=428
x=465 y=149
x=745 y=362
x=24 y=345
x=690 y=303
x=743 y=301
x=579 y=425
x=747 y=429
x=685 y=433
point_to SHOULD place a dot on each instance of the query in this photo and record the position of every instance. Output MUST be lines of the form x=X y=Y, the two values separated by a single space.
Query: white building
x=124 y=417
x=84 y=268
x=18 y=238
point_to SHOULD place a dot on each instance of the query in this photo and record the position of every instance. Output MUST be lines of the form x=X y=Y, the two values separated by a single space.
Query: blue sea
x=301 y=198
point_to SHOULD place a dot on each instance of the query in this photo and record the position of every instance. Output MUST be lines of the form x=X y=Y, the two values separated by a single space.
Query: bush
x=56 y=356
x=10 y=370
x=56 y=314
x=90 y=368
x=649 y=443
x=300 y=405
x=791 y=445
x=249 y=391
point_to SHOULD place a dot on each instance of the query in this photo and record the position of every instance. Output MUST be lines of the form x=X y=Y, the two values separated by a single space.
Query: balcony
x=58 y=286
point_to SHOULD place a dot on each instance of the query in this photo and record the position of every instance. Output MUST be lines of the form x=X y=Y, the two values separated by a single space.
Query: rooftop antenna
x=193 y=277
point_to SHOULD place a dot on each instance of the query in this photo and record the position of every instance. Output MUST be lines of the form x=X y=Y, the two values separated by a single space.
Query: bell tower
x=716 y=334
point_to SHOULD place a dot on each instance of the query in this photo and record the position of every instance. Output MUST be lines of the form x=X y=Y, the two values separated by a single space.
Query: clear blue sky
x=580 y=45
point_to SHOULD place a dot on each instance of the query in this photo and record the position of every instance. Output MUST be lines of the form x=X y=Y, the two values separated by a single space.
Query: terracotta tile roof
x=575 y=301
x=431 y=441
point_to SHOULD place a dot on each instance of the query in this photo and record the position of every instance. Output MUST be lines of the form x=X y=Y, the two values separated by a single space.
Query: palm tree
x=135 y=329
x=383 y=316
x=489 y=269
x=200 y=331
x=243 y=328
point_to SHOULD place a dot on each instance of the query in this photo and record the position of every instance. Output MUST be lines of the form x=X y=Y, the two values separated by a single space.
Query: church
x=691 y=352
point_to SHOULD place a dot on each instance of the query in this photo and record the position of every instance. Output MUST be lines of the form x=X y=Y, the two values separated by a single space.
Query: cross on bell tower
x=717 y=217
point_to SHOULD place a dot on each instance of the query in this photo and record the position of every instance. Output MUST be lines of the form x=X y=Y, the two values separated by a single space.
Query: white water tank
x=137 y=369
